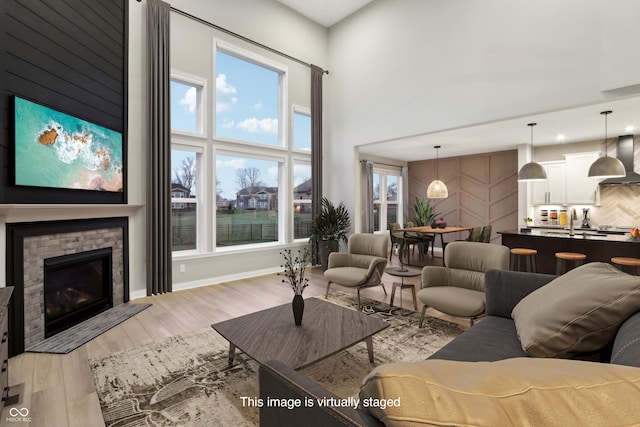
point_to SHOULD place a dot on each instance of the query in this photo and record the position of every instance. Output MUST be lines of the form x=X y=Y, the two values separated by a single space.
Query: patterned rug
x=185 y=380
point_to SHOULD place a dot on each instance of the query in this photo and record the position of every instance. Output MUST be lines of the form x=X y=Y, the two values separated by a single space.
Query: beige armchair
x=458 y=288
x=362 y=266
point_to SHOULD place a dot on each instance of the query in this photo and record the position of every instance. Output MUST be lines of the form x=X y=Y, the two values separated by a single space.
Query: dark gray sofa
x=492 y=339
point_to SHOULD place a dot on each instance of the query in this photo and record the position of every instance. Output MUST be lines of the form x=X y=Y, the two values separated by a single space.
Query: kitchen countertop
x=562 y=233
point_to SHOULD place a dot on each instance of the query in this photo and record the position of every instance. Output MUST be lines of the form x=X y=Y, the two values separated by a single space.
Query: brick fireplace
x=29 y=245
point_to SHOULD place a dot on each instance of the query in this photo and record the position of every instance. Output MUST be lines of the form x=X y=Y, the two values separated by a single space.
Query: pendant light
x=437 y=189
x=532 y=171
x=606 y=167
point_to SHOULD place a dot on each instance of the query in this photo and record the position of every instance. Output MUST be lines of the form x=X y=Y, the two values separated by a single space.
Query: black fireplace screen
x=76 y=288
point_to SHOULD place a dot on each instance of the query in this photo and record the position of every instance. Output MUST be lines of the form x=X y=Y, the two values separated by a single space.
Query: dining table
x=427 y=229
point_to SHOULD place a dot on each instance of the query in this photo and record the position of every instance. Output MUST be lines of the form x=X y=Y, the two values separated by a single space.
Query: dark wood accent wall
x=70 y=55
x=483 y=189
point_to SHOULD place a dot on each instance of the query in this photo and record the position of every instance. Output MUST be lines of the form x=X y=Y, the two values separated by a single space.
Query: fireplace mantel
x=40 y=212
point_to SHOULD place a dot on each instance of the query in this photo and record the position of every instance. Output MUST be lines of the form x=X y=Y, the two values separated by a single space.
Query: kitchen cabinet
x=581 y=190
x=553 y=191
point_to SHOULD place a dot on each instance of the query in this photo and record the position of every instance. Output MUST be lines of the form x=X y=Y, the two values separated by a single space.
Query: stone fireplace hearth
x=30 y=244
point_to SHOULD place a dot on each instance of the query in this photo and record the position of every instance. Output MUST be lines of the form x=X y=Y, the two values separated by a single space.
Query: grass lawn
x=239 y=228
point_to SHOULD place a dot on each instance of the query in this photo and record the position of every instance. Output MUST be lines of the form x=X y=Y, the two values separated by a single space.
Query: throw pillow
x=577 y=312
x=519 y=391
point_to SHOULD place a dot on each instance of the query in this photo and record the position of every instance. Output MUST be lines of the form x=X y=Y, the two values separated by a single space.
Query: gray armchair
x=458 y=288
x=362 y=266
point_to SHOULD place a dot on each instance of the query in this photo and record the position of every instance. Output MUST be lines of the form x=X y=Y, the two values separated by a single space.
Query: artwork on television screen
x=54 y=149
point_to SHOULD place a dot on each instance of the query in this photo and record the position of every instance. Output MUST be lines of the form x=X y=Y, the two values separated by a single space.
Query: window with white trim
x=187 y=104
x=301 y=200
x=249 y=188
x=387 y=196
x=184 y=198
x=248 y=99
x=251 y=154
x=301 y=130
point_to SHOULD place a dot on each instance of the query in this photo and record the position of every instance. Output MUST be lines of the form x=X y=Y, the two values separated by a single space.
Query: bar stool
x=562 y=257
x=529 y=255
x=633 y=262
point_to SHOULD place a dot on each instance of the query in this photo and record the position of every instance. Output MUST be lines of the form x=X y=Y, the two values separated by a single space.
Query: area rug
x=185 y=380
x=72 y=338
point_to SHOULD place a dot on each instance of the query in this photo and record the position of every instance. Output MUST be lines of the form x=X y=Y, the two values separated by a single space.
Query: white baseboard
x=213 y=281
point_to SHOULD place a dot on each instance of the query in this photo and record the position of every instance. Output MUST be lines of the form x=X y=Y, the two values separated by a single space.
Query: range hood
x=625 y=154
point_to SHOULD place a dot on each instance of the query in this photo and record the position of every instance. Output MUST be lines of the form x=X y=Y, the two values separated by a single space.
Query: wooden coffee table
x=326 y=330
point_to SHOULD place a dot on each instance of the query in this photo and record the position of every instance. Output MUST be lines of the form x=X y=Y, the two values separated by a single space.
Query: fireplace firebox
x=76 y=287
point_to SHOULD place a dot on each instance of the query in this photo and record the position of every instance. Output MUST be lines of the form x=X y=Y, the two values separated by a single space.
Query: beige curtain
x=159 y=150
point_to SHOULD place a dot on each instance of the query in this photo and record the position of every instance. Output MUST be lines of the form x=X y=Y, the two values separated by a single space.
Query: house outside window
x=184 y=199
x=301 y=200
x=254 y=184
x=248 y=169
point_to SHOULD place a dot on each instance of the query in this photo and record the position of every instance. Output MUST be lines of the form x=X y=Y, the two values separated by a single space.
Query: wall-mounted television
x=57 y=150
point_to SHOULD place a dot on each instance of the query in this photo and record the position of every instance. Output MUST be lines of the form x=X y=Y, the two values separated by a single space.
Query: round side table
x=402 y=273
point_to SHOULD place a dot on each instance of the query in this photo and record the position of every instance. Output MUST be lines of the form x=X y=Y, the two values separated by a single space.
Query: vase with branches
x=294 y=269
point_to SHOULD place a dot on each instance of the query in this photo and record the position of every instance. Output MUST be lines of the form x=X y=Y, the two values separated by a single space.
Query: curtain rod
x=243 y=38
x=381 y=164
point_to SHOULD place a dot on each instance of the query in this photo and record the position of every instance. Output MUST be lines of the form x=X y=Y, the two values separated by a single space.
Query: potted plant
x=424 y=213
x=329 y=228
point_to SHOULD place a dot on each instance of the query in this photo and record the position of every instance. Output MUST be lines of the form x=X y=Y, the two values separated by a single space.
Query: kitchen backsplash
x=619 y=207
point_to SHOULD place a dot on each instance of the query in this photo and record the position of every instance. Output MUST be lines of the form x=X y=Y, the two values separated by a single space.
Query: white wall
x=136 y=177
x=267 y=22
x=402 y=68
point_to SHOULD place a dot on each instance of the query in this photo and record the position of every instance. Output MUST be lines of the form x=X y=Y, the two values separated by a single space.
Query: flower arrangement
x=527 y=220
x=294 y=266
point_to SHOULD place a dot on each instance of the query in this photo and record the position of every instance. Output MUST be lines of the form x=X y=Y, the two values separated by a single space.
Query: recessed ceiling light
x=561 y=137
x=629 y=128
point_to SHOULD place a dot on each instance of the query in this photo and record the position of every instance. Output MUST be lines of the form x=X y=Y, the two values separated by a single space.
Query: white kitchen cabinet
x=581 y=190
x=553 y=191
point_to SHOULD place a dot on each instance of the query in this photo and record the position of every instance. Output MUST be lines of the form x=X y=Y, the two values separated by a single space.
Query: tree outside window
x=301 y=200
x=250 y=161
x=247 y=205
x=184 y=200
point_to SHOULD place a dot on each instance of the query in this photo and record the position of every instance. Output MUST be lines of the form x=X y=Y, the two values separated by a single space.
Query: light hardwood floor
x=58 y=390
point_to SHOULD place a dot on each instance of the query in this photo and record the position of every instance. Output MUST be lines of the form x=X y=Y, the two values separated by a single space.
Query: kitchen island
x=595 y=245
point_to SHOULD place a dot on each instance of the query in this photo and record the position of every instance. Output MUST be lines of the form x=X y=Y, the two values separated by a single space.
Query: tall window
x=301 y=130
x=247 y=100
x=247 y=182
x=184 y=199
x=301 y=200
x=386 y=199
x=247 y=198
x=187 y=104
